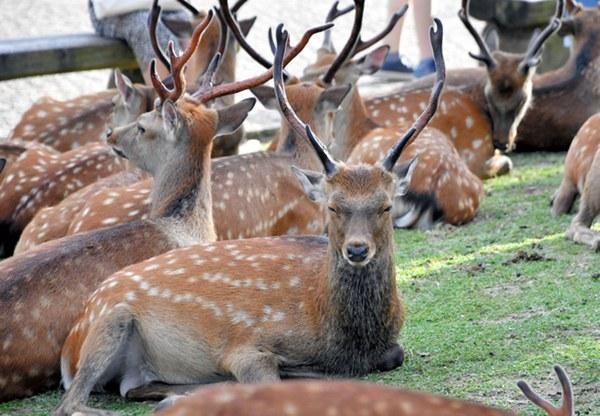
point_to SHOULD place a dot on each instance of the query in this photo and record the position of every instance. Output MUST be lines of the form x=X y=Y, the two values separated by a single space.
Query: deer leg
x=100 y=351
x=497 y=165
x=160 y=391
x=392 y=358
x=563 y=199
x=254 y=366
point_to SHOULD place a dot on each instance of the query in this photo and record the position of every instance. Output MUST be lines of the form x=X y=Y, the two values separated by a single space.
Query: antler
x=301 y=128
x=532 y=55
x=233 y=87
x=436 y=37
x=177 y=64
x=567 y=407
x=153 y=17
x=362 y=45
x=350 y=45
x=333 y=14
x=485 y=55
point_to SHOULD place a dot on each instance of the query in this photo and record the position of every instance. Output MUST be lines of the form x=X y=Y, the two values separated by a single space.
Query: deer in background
x=301 y=305
x=565 y=98
x=309 y=398
x=43 y=291
x=442 y=187
x=582 y=177
x=501 y=92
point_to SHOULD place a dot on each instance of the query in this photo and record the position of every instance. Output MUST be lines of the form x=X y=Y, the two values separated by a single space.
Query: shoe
x=425 y=67
x=394 y=66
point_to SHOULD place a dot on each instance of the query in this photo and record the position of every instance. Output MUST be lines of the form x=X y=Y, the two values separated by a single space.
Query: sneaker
x=425 y=67
x=394 y=66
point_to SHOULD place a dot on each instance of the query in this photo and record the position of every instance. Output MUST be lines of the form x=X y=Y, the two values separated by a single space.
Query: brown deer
x=11 y=151
x=300 y=305
x=42 y=292
x=501 y=93
x=565 y=98
x=307 y=398
x=442 y=188
x=582 y=177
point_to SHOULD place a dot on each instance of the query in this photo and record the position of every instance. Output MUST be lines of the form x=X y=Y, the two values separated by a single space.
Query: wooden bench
x=27 y=57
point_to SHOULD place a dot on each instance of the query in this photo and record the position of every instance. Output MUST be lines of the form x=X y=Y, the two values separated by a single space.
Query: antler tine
x=159 y=87
x=223 y=40
x=566 y=409
x=350 y=44
x=485 y=55
x=363 y=45
x=531 y=56
x=333 y=14
x=153 y=17
x=207 y=79
x=233 y=87
x=238 y=5
x=189 y=6
x=436 y=37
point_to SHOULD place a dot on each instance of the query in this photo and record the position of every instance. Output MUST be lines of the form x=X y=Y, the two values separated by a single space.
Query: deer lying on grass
x=442 y=188
x=582 y=177
x=257 y=309
x=42 y=292
x=308 y=398
x=500 y=93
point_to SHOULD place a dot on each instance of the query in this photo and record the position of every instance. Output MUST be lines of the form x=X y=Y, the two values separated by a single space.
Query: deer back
x=66 y=125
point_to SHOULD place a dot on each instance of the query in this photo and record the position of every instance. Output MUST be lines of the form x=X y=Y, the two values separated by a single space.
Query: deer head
x=508 y=89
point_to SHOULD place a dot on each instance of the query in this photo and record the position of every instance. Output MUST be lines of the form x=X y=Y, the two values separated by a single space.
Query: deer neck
x=581 y=72
x=350 y=125
x=182 y=199
x=359 y=310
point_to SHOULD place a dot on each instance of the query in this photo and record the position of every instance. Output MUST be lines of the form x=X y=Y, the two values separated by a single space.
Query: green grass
x=501 y=299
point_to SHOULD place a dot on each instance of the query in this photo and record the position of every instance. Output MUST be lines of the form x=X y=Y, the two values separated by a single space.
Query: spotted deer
x=565 y=98
x=11 y=151
x=582 y=177
x=501 y=93
x=307 y=398
x=42 y=292
x=442 y=188
x=38 y=179
x=257 y=309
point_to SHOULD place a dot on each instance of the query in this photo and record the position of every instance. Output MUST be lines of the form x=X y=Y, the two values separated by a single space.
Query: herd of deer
x=140 y=262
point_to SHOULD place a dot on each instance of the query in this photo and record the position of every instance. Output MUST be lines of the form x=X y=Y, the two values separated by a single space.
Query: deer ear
x=404 y=172
x=124 y=85
x=2 y=164
x=266 y=96
x=312 y=183
x=170 y=117
x=332 y=97
x=493 y=40
x=372 y=62
x=246 y=25
x=232 y=117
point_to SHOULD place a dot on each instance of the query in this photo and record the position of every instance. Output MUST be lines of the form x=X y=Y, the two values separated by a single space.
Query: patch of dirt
x=502 y=290
x=519 y=316
x=535 y=253
x=474 y=269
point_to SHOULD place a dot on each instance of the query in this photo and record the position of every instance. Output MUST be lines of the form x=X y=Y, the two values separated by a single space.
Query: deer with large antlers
x=501 y=94
x=257 y=309
x=42 y=292
x=582 y=177
x=308 y=398
x=442 y=187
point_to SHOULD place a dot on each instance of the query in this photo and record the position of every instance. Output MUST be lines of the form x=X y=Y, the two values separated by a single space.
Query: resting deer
x=442 y=188
x=582 y=177
x=500 y=93
x=307 y=398
x=42 y=292
x=258 y=309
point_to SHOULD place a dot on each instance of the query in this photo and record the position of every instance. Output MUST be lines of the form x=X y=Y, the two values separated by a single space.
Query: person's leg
x=394 y=61
x=422 y=13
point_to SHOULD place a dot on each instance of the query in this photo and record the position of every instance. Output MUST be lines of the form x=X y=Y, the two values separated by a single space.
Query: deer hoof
x=392 y=358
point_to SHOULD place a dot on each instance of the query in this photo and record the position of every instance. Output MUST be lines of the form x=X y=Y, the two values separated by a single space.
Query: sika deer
x=308 y=398
x=42 y=292
x=300 y=306
x=501 y=93
x=582 y=177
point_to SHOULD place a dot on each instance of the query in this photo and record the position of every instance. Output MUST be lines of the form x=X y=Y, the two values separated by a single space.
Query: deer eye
x=386 y=209
x=140 y=129
x=332 y=209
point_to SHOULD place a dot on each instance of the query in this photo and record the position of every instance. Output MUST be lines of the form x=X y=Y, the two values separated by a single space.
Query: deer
x=443 y=189
x=582 y=177
x=43 y=291
x=501 y=93
x=256 y=310
x=344 y=397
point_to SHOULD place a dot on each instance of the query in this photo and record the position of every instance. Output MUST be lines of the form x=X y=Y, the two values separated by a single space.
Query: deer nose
x=108 y=134
x=357 y=252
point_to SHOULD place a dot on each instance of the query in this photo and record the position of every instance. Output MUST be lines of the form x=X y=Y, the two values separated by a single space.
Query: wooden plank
x=56 y=54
